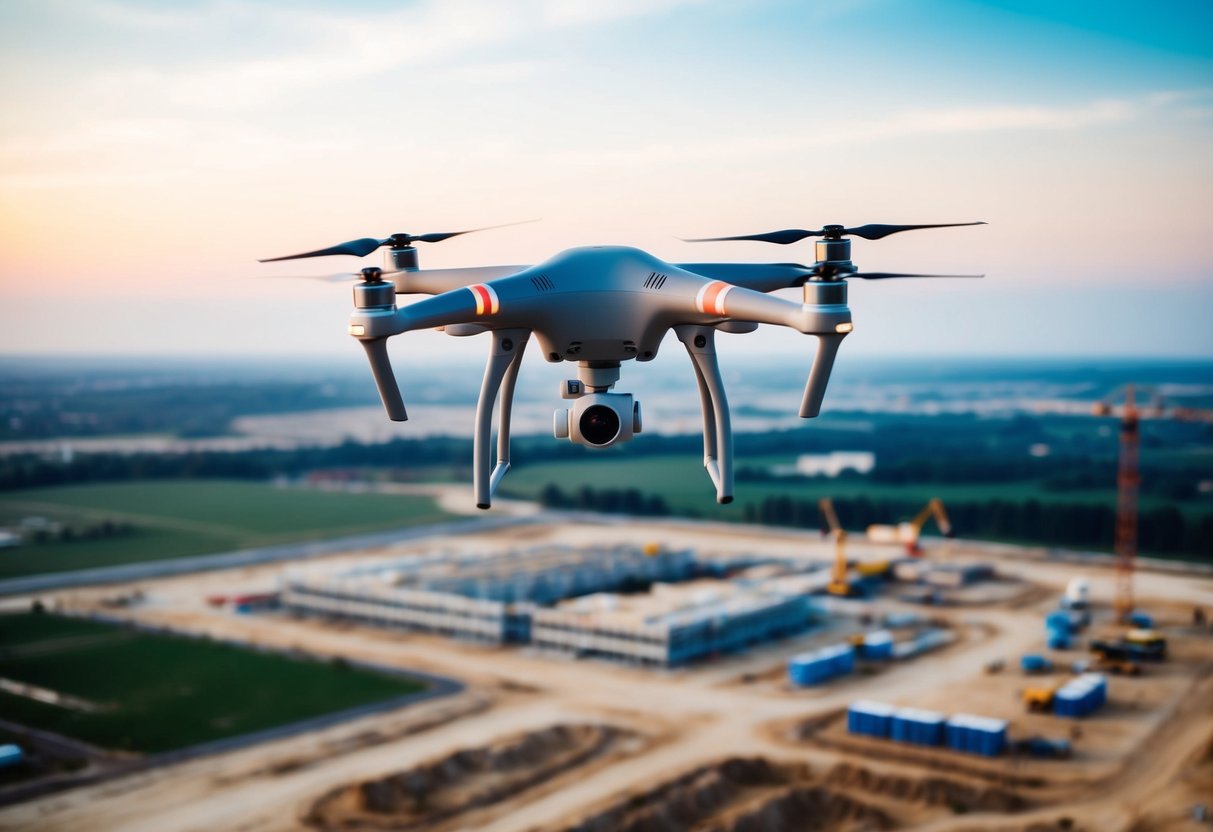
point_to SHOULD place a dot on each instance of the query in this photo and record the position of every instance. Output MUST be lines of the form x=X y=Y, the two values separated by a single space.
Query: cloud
x=326 y=48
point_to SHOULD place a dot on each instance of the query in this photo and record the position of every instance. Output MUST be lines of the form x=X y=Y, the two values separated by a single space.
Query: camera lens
x=599 y=424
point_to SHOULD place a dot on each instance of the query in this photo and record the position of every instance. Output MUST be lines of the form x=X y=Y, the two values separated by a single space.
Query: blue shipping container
x=1081 y=696
x=1034 y=663
x=878 y=645
x=870 y=718
x=1058 y=640
x=817 y=666
x=917 y=726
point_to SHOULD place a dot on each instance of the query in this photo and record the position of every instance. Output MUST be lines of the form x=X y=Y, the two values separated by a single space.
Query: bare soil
x=443 y=789
x=757 y=795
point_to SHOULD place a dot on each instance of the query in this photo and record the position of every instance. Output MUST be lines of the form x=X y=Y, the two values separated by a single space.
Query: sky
x=150 y=153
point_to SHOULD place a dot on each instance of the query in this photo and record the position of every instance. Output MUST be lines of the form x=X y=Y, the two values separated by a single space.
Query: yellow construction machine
x=1040 y=699
x=839 y=585
x=907 y=533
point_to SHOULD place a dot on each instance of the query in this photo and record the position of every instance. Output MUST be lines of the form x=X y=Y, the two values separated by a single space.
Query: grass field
x=178 y=518
x=683 y=483
x=157 y=693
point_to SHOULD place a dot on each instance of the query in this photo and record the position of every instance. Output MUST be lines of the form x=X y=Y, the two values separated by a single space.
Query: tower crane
x=1128 y=481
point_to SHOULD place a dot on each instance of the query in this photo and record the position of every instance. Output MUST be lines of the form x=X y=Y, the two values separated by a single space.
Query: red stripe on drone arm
x=482 y=298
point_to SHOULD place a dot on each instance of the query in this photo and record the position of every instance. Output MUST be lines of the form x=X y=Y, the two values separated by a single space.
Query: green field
x=178 y=518
x=157 y=692
x=683 y=483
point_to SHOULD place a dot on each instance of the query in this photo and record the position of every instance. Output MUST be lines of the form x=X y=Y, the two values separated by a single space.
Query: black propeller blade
x=887 y=275
x=795 y=235
x=337 y=277
x=365 y=245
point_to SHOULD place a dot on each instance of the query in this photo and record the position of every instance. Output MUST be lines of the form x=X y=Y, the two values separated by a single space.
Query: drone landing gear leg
x=700 y=342
x=501 y=373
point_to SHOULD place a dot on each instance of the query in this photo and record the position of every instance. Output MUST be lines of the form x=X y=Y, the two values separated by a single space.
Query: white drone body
x=599 y=307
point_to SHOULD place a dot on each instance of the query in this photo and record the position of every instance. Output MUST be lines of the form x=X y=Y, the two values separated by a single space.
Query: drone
x=598 y=307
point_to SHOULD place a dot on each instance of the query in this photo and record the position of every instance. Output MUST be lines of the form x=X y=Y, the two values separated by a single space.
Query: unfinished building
x=672 y=625
x=474 y=596
x=524 y=597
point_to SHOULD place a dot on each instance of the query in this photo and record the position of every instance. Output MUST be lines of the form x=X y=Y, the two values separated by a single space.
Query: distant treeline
x=29 y=471
x=943 y=449
x=1076 y=525
x=610 y=500
x=33 y=410
x=909 y=450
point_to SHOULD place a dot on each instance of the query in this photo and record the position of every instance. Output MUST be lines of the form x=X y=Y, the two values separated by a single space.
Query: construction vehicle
x=1128 y=651
x=907 y=533
x=840 y=583
x=1151 y=640
x=1040 y=699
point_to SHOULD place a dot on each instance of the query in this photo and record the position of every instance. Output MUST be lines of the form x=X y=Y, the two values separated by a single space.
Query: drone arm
x=437 y=281
x=376 y=318
x=505 y=356
x=717 y=427
x=824 y=314
x=760 y=277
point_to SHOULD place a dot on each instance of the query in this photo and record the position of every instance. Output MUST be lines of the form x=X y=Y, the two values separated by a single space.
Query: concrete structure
x=672 y=625
x=520 y=597
x=476 y=596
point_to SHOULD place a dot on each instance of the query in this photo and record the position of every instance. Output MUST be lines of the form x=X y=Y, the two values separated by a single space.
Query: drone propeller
x=888 y=275
x=337 y=277
x=830 y=232
x=365 y=245
x=457 y=276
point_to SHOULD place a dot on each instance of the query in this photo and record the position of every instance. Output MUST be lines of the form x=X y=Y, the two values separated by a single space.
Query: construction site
x=858 y=708
x=594 y=673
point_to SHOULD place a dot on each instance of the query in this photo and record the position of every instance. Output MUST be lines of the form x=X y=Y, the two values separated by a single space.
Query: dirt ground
x=1140 y=763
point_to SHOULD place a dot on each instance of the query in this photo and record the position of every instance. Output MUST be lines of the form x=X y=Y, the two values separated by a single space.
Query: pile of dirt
x=737 y=795
x=815 y=808
x=932 y=791
x=468 y=779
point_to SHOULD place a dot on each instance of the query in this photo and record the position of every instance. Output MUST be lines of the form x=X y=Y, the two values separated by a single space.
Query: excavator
x=907 y=533
x=839 y=584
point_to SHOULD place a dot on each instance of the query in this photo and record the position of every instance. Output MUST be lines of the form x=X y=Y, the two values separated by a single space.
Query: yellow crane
x=839 y=585
x=907 y=533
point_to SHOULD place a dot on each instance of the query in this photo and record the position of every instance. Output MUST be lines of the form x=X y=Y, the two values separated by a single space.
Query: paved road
x=125 y=573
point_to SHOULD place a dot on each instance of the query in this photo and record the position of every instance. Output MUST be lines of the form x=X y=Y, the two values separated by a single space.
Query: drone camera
x=599 y=420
